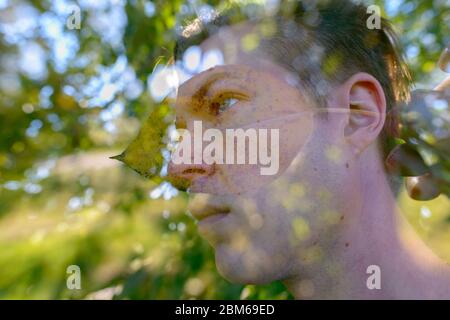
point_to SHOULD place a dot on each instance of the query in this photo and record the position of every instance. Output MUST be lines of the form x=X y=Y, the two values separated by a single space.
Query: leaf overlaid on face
x=406 y=161
x=144 y=154
x=426 y=131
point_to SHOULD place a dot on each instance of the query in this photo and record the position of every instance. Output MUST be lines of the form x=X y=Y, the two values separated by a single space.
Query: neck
x=378 y=234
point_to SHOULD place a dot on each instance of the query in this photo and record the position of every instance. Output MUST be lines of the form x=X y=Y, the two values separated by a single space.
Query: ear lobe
x=367 y=111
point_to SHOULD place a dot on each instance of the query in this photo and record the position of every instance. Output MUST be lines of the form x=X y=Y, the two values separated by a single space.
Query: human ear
x=366 y=104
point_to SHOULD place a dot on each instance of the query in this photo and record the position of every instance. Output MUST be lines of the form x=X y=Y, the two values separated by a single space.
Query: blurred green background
x=71 y=98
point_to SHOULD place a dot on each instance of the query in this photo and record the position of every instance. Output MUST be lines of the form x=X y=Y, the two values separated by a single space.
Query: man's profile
x=327 y=224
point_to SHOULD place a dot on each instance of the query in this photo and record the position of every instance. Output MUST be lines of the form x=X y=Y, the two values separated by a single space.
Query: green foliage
x=69 y=100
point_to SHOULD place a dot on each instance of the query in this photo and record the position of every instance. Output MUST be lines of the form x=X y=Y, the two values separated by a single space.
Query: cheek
x=278 y=141
x=286 y=208
x=264 y=257
x=266 y=224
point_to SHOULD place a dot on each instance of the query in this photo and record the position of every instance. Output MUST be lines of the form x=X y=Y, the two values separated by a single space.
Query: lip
x=208 y=211
x=212 y=219
x=214 y=215
x=217 y=227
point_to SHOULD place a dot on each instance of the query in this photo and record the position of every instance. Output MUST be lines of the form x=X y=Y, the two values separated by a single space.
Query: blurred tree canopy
x=71 y=98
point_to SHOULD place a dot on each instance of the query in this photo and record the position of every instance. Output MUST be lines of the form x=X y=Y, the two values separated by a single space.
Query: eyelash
x=219 y=106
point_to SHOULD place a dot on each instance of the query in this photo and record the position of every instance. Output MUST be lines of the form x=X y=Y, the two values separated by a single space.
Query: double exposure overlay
x=260 y=149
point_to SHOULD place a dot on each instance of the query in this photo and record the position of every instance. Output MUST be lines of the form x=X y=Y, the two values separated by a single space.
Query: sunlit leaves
x=426 y=131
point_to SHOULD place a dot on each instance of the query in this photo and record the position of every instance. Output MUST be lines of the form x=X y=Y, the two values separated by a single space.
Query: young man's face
x=263 y=227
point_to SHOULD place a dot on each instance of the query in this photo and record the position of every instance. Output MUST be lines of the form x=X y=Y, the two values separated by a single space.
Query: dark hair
x=334 y=38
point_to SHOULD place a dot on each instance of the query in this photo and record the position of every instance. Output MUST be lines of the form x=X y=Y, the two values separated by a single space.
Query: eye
x=225 y=102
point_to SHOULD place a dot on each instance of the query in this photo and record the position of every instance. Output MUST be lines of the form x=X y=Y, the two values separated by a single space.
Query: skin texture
x=329 y=213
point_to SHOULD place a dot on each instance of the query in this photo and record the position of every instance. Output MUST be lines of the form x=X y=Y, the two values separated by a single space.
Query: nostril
x=189 y=173
x=194 y=171
x=182 y=176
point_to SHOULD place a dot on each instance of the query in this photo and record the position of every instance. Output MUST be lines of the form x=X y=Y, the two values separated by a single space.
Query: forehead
x=241 y=44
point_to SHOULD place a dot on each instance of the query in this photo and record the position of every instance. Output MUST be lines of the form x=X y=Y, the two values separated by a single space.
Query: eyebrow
x=199 y=93
x=201 y=87
x=203 y=90
x=198 y=99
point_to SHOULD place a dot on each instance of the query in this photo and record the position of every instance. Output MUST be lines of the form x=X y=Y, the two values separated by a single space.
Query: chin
x=244 y=267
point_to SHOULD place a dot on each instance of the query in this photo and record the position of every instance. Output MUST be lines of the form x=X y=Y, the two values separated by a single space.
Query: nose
x=183 y=175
